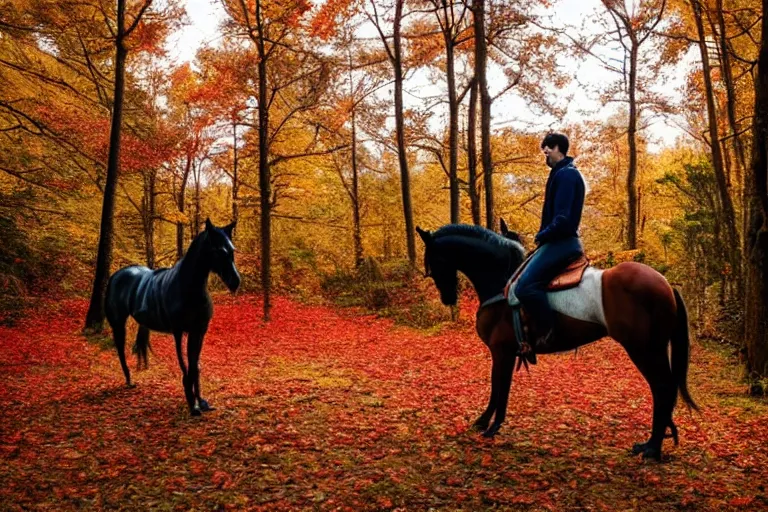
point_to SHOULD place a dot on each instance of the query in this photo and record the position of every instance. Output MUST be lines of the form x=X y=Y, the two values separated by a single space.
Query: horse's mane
x=481 y=234
x=194 y=248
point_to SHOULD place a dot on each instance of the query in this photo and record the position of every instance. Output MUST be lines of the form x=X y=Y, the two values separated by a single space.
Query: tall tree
x=732 y=245
x=393 y=47
x=632 y=30
x=756 y=300
x=450 y=18
x=291 y=78
x=481 y=65
x=474 y=195
x=95 y=316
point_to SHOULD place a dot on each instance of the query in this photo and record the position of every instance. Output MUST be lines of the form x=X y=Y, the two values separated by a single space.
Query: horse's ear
x=228 y=229
x=425 y=235
x=208 y=224
x=504 y=228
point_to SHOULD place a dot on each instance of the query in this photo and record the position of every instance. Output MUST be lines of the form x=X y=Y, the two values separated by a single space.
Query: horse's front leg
x=185 y=374
x=202 y=403
x=485 y=419
x=503 y=366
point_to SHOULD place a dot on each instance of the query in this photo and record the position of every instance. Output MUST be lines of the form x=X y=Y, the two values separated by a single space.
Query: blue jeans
x=549 y=260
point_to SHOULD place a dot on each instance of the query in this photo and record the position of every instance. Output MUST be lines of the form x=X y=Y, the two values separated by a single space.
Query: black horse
x=173 y=300
x=631 y=302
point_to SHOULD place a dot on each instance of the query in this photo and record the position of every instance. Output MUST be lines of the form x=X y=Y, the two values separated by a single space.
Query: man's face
x=553 y=155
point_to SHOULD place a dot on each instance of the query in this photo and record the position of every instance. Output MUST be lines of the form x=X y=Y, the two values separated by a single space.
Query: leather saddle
x=569 y=277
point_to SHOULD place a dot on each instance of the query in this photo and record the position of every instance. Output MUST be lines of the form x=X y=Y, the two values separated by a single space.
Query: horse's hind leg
x=118 y=331
x=655 y=368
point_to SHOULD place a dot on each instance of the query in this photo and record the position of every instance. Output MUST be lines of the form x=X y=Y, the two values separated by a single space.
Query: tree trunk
x=94 y=319
x=481 y=57
x=265 y=189
x=756 y=303
x=196 y=224
x=474 y=195
x=453 y=117
x=235 y=181
x=730 y=90
x=150 y=207
x=356 y=233
x=729 y=216
x=632 y=203
x=181 y=205
x=405 y=179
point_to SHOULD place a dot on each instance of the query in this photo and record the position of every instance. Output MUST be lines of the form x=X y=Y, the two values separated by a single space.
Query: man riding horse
x=558 y=238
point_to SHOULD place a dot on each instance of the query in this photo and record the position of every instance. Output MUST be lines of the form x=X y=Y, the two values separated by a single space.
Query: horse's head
x=440 y=269
x=518 y=250
x=221 y=253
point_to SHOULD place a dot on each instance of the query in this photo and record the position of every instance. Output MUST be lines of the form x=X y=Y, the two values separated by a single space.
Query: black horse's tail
x=681 y=351
x=141 y=348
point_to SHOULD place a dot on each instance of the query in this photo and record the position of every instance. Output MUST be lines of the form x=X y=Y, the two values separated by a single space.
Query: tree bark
x=197 y=223
x=94 y=319
x=405 y=179
x=729 y=216
x=235 y=180
x=481 y=57
x=474 y=195
x=453 y=117
x=150 y=213
x=265 y=188
x=181 y=205
x=632 y=203
x=356 y=233
x=756 y=303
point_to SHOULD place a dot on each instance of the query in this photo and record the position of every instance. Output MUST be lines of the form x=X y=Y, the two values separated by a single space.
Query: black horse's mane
x=481 y=234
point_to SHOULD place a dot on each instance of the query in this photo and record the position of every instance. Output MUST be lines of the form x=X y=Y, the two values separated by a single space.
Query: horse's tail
x=141 y=348
x=681 y=351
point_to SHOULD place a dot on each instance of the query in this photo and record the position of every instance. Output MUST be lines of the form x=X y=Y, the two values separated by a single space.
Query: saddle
x=569 y=277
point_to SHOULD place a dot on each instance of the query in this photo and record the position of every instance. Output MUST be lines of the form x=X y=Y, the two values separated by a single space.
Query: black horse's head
x=221 y=253
x=442 y=272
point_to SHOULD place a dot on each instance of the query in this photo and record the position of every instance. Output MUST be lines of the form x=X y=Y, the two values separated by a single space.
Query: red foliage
x=323 y=409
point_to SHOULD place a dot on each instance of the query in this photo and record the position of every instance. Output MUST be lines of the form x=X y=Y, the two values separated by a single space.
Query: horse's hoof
x=481 y=424
x=652 y=453
x=639 y=448
x=491 y=431
x=195 y=411
x=130 y=385
x=205 y=406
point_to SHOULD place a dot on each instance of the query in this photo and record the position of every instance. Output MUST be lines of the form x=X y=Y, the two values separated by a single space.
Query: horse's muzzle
x=232 y=281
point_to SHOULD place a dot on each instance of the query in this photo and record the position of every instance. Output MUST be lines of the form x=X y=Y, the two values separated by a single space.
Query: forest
x=328 y=131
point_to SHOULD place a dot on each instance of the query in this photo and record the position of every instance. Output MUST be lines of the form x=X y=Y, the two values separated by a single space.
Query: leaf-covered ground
x=328 y=410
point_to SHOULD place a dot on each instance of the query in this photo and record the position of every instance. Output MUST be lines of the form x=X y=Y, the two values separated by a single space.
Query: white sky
x=206 y=15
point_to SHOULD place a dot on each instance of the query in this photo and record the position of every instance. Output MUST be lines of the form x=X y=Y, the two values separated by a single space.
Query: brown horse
x=631 y=302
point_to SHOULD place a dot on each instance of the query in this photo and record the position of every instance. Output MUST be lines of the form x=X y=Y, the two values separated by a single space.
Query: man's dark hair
x=556 y=139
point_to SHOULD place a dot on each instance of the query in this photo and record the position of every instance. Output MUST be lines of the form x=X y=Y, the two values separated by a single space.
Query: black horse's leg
x=185 y=380
x=178 y=336
x=657 y=372
x=204 y=405
x=194 y=340
x=118 y=330
x=505 y=360
x=485 y=419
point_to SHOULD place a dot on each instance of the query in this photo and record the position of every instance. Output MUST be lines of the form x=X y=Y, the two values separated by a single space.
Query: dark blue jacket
x=563 y=203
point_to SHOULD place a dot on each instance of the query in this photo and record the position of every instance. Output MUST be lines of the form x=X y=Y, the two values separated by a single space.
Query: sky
x=205 y=17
